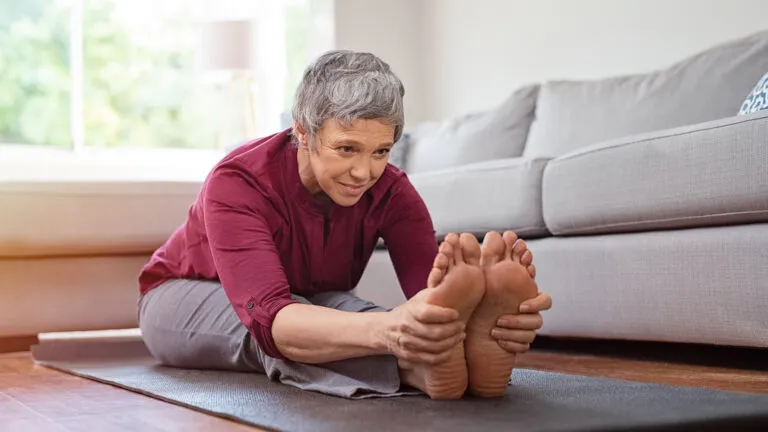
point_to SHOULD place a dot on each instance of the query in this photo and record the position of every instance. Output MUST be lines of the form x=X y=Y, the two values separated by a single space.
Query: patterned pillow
x=757 y=99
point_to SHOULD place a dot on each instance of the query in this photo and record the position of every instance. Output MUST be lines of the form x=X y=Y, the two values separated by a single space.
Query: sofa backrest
x=707 y=86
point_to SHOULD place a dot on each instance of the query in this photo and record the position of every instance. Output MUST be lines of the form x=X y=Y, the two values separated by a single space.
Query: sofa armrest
x=704 y=174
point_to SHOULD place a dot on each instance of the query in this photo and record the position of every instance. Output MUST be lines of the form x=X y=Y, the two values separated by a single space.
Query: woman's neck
x=306 y=175
x=309 y=180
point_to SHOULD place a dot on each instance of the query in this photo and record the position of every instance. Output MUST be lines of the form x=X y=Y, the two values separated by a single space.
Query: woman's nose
x=361 y=170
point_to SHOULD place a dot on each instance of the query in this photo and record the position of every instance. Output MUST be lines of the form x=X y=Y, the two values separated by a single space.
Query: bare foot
x=458 y=283
x=508 y=282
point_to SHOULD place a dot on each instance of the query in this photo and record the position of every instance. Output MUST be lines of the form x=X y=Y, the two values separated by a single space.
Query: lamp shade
x=227 y=45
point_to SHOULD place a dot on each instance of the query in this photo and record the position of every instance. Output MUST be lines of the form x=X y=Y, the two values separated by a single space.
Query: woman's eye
x=346 y=149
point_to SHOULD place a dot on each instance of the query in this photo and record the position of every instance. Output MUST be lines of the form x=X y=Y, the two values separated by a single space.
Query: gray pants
x=191 y=324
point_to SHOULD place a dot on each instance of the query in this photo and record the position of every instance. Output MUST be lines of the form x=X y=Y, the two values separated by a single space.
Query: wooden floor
x=34 y=398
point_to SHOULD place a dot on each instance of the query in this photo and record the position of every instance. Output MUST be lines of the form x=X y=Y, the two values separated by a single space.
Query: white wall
x=481 y=50
x=394 y=31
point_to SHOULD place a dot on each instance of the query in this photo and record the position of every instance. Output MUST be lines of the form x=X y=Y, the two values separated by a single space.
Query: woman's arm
x=315 y=334
x=409 y=235
x=237 y=221
x=415 y=331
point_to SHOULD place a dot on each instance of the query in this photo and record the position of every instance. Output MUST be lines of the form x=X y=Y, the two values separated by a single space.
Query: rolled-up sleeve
x=239 y=221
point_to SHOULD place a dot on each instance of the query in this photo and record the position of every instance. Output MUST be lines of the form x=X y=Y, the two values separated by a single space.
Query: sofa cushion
x=90 y=218
x=495 y=134
x=708 y=86
x=496 y=195
x=705 y=174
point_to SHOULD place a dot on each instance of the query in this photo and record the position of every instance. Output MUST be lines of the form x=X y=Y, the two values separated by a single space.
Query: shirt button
x=249 y=305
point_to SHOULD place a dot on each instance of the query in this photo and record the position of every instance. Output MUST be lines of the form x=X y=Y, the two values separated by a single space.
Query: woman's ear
x=301 y=135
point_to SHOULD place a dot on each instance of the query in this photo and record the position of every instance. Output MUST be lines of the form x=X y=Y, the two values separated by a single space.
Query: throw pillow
x=399 y=154
x=757 y=100
x=497 y=133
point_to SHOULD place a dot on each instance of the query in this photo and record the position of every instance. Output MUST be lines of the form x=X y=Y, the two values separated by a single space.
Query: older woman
x=259 y=276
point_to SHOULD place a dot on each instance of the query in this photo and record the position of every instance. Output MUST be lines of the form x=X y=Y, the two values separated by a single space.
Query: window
x=113 y=74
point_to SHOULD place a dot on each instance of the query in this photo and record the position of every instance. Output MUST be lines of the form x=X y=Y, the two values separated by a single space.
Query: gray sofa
x=643 y=198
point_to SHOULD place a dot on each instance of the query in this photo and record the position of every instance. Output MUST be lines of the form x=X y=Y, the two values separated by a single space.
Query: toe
x=532 y=271
x=453 y=239
x=493 y=249
x=527 y=258
x=444 y=258
x=470 y=248
x=435 y=277
x=518 y=250
x=509 y=242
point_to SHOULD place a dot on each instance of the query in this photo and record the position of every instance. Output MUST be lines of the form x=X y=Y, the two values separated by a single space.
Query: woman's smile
x=353 y=189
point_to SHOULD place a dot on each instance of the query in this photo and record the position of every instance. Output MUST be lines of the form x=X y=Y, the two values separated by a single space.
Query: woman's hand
x=418 y=332
x=515 y=333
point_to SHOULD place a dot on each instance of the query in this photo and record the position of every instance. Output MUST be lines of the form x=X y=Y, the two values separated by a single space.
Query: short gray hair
x=346 y=86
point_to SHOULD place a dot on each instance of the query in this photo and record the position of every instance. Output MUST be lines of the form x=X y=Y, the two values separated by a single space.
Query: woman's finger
x=519 y=336
x=521 y=322
x=433 y=359
x=514 y=348
x=539 y=303
x=417 y=341
x=431 y=314
x=418 y=344
x=436 y=332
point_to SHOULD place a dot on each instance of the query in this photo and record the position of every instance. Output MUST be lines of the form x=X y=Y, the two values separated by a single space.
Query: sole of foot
x=508 y=282
x=457 y=282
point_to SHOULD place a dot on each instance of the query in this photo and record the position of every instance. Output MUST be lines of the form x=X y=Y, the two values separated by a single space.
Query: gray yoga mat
x=535 y=401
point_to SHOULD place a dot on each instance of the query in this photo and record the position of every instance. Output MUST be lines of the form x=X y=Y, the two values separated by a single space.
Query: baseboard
x=734 y=357
x=9 y=344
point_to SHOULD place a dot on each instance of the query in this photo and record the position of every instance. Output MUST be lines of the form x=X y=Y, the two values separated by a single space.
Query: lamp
x=227 y=50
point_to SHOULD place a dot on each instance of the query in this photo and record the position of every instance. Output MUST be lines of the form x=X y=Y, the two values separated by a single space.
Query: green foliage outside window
x=140 y=88
x=34 y=72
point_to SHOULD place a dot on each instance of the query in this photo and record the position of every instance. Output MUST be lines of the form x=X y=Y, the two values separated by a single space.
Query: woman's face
x=345 y=162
